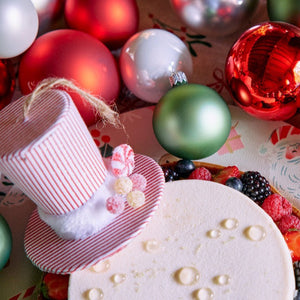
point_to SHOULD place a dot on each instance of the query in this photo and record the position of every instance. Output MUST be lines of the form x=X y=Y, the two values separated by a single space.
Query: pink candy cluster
x=128 y=187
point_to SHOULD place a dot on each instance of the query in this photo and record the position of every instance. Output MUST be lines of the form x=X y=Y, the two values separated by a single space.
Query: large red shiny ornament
x=111 y=21
x=7 y=81
x=76 y=56
x=263 y=70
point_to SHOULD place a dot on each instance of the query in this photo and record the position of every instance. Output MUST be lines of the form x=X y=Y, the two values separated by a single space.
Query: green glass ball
x=191 y=121
x=284 y=11
x=5 y=242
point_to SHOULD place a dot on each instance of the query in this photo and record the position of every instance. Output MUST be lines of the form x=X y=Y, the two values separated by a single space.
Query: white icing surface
x=87 y=219
x=189 y=209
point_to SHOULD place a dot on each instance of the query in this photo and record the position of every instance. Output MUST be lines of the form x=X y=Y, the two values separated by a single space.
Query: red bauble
x=263 y=71
x=7 y=81
x=76 y=56
x=110 y=21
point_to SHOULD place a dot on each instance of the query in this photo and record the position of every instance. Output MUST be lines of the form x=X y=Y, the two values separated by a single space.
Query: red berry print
x=95 y=133
x=105 y=139
x=97 y=142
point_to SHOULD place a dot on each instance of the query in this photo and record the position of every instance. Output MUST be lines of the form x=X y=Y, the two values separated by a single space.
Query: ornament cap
x=178 y=78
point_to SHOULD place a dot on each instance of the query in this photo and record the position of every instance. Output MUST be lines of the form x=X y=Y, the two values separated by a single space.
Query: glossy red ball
x=7 y=81
x=263 y=70
x=110 y=21
x=76 y=56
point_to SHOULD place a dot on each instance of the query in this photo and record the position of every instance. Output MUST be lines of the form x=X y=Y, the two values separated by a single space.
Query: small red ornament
x=110 y=21
x=76 y=56
x=263 y=71
x=7 y=81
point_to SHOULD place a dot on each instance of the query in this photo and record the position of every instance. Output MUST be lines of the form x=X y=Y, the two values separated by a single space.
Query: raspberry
x=200 y=173
x=115 y=204
x=139 y=182
x=276 y=206
x=226 y=173
x=288 y=222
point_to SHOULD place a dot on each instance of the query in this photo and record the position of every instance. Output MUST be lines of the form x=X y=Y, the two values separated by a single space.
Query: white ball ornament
x=148 y=59
x=18 y=27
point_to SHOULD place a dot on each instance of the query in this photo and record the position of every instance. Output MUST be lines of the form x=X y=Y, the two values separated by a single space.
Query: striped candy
x=122 y=161
x=51 y=157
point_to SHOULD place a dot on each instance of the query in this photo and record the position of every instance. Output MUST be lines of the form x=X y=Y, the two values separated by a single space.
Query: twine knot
x=101 y=108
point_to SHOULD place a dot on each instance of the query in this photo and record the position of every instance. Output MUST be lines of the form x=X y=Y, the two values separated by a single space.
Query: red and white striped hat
x=51 y=155
x=285 y=132
x=52 y=158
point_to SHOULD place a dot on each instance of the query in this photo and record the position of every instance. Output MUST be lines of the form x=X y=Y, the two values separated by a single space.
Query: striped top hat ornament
x=88 y=207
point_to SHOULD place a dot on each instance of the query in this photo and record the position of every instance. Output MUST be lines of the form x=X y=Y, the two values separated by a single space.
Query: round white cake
x=206 y=241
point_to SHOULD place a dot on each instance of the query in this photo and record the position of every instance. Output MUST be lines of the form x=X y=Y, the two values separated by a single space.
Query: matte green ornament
x=191 y=121
x=5 y=242
x=284 y=10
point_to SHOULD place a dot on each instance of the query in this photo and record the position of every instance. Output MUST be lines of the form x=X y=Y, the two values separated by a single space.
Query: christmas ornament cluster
x=100 y=48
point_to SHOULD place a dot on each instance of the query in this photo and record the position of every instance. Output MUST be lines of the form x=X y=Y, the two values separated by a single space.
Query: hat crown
x=51 y=155
x=18 y=133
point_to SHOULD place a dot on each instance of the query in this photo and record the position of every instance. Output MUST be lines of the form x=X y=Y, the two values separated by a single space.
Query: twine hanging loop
x=103 y=110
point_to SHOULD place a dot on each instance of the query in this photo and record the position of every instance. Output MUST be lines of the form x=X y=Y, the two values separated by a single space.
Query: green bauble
x=284 y=10
x=191 y=121
x=5 y=242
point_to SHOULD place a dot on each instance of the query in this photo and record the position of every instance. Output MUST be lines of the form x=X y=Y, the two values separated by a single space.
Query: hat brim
x=50 y=253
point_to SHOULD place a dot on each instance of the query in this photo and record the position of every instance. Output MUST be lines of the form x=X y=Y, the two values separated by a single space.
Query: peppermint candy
x=122 y=161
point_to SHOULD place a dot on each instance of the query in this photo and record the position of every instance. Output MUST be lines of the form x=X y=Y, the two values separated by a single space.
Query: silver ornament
x=214 y=17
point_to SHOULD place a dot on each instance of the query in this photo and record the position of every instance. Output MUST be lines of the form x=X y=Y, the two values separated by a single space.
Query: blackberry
x=297 y=275
x=255 y=186
x=170 y=174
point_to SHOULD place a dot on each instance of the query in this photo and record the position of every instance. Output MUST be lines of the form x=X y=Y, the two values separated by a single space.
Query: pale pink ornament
x=148 y=59
x=18 y=27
